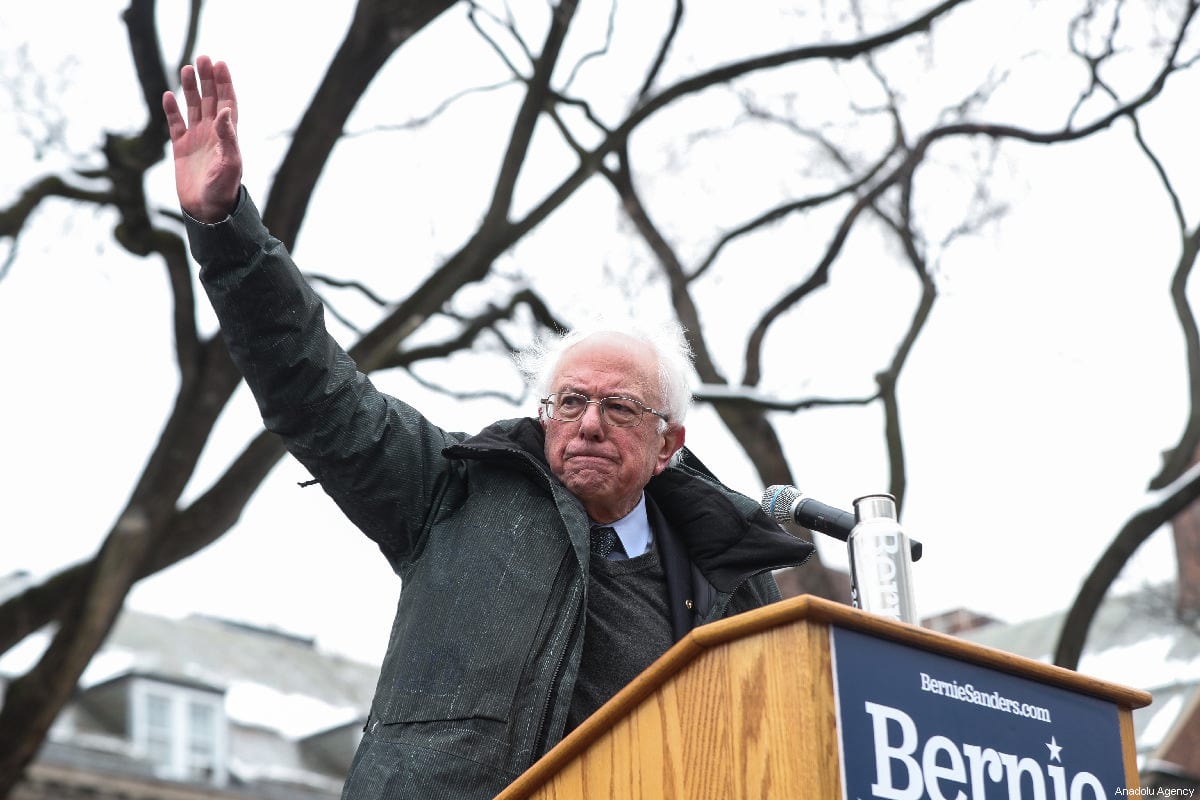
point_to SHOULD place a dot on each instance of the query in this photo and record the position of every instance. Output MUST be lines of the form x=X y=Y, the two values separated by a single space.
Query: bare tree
x=1178 y=482
x=851 y=181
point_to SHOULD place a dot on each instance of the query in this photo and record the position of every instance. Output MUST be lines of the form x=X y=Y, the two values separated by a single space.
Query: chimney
x=957 y=621
x=1186 y=529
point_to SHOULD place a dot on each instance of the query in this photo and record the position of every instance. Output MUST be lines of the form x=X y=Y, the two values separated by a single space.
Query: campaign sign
x=916 y=725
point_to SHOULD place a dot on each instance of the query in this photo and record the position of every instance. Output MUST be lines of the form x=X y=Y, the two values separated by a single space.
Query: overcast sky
x=1035 y=407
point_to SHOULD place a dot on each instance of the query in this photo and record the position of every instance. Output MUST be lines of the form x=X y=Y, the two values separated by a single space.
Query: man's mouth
x=584 y=458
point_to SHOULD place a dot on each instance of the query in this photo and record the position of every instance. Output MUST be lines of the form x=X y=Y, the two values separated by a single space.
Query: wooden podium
x=748 y=708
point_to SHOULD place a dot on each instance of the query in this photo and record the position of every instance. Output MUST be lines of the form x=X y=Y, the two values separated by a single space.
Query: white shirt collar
x=633 y=530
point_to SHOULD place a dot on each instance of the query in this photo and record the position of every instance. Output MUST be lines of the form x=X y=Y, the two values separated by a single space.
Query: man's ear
x=673 y=438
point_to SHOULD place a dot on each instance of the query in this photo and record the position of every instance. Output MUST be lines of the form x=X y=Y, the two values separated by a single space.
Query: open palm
x=208 y=163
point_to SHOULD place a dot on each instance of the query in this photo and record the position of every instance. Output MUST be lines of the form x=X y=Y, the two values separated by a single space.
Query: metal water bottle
x=880 y=560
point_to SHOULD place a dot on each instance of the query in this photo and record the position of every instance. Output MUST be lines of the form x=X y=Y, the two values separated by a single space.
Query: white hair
x=667 y=339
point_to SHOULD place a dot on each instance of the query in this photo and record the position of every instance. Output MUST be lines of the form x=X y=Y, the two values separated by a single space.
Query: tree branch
x=13 y=218
x=472 y=328
x=536 y=97
x=664 y=48
x=378 y=28
x=1172 y=500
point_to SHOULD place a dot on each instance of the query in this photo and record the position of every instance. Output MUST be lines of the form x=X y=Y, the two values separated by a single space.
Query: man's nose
x=591 y=424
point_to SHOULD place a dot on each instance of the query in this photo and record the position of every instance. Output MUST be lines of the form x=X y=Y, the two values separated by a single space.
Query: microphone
x=787 y=505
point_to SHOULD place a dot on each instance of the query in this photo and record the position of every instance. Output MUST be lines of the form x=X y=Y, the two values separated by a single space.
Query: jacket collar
x=727 y=535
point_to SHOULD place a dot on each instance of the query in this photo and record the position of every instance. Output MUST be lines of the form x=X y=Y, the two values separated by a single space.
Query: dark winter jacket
x=491 y=549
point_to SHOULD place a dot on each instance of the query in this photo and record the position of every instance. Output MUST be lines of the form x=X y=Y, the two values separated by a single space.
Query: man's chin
x=586 y=482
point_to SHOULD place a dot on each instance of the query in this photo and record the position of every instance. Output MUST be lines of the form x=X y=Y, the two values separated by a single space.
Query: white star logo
x=1055 y=750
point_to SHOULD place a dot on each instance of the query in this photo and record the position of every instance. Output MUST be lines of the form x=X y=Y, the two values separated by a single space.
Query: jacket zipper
x=542 y=733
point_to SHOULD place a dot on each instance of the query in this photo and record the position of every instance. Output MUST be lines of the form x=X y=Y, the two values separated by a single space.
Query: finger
x=175 y=124
x=226 y=98
x=208 y=88
x=226 y=130
x=191 y=95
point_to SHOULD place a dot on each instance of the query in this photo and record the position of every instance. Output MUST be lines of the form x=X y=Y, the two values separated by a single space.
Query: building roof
x=271 y=679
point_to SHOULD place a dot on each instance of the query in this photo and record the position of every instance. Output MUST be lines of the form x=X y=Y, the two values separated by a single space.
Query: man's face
x=605 y=466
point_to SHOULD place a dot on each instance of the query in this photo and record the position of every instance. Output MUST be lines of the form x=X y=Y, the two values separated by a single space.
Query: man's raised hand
x=208 y=163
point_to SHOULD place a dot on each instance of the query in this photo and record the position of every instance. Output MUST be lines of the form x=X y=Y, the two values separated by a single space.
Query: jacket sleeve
x=377 y=457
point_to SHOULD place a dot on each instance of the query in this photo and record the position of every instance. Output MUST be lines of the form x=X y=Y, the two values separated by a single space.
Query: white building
x=203 y=708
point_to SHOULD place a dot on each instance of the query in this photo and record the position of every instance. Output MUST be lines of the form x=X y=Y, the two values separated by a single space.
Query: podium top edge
x=819 y=610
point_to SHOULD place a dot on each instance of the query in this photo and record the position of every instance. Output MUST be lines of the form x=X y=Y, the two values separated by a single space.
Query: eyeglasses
x=623 y=412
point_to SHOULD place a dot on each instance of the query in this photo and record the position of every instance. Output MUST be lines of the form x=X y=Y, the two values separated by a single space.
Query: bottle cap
x=874 y=506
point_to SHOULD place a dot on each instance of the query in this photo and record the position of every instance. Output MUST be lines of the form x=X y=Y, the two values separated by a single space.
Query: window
x=158 y=729
x=202 y=741
x=181 y=731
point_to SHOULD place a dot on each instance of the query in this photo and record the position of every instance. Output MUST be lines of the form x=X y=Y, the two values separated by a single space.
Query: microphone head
x=777 y=502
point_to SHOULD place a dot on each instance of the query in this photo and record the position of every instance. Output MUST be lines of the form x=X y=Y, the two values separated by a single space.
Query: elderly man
x=543 y=562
